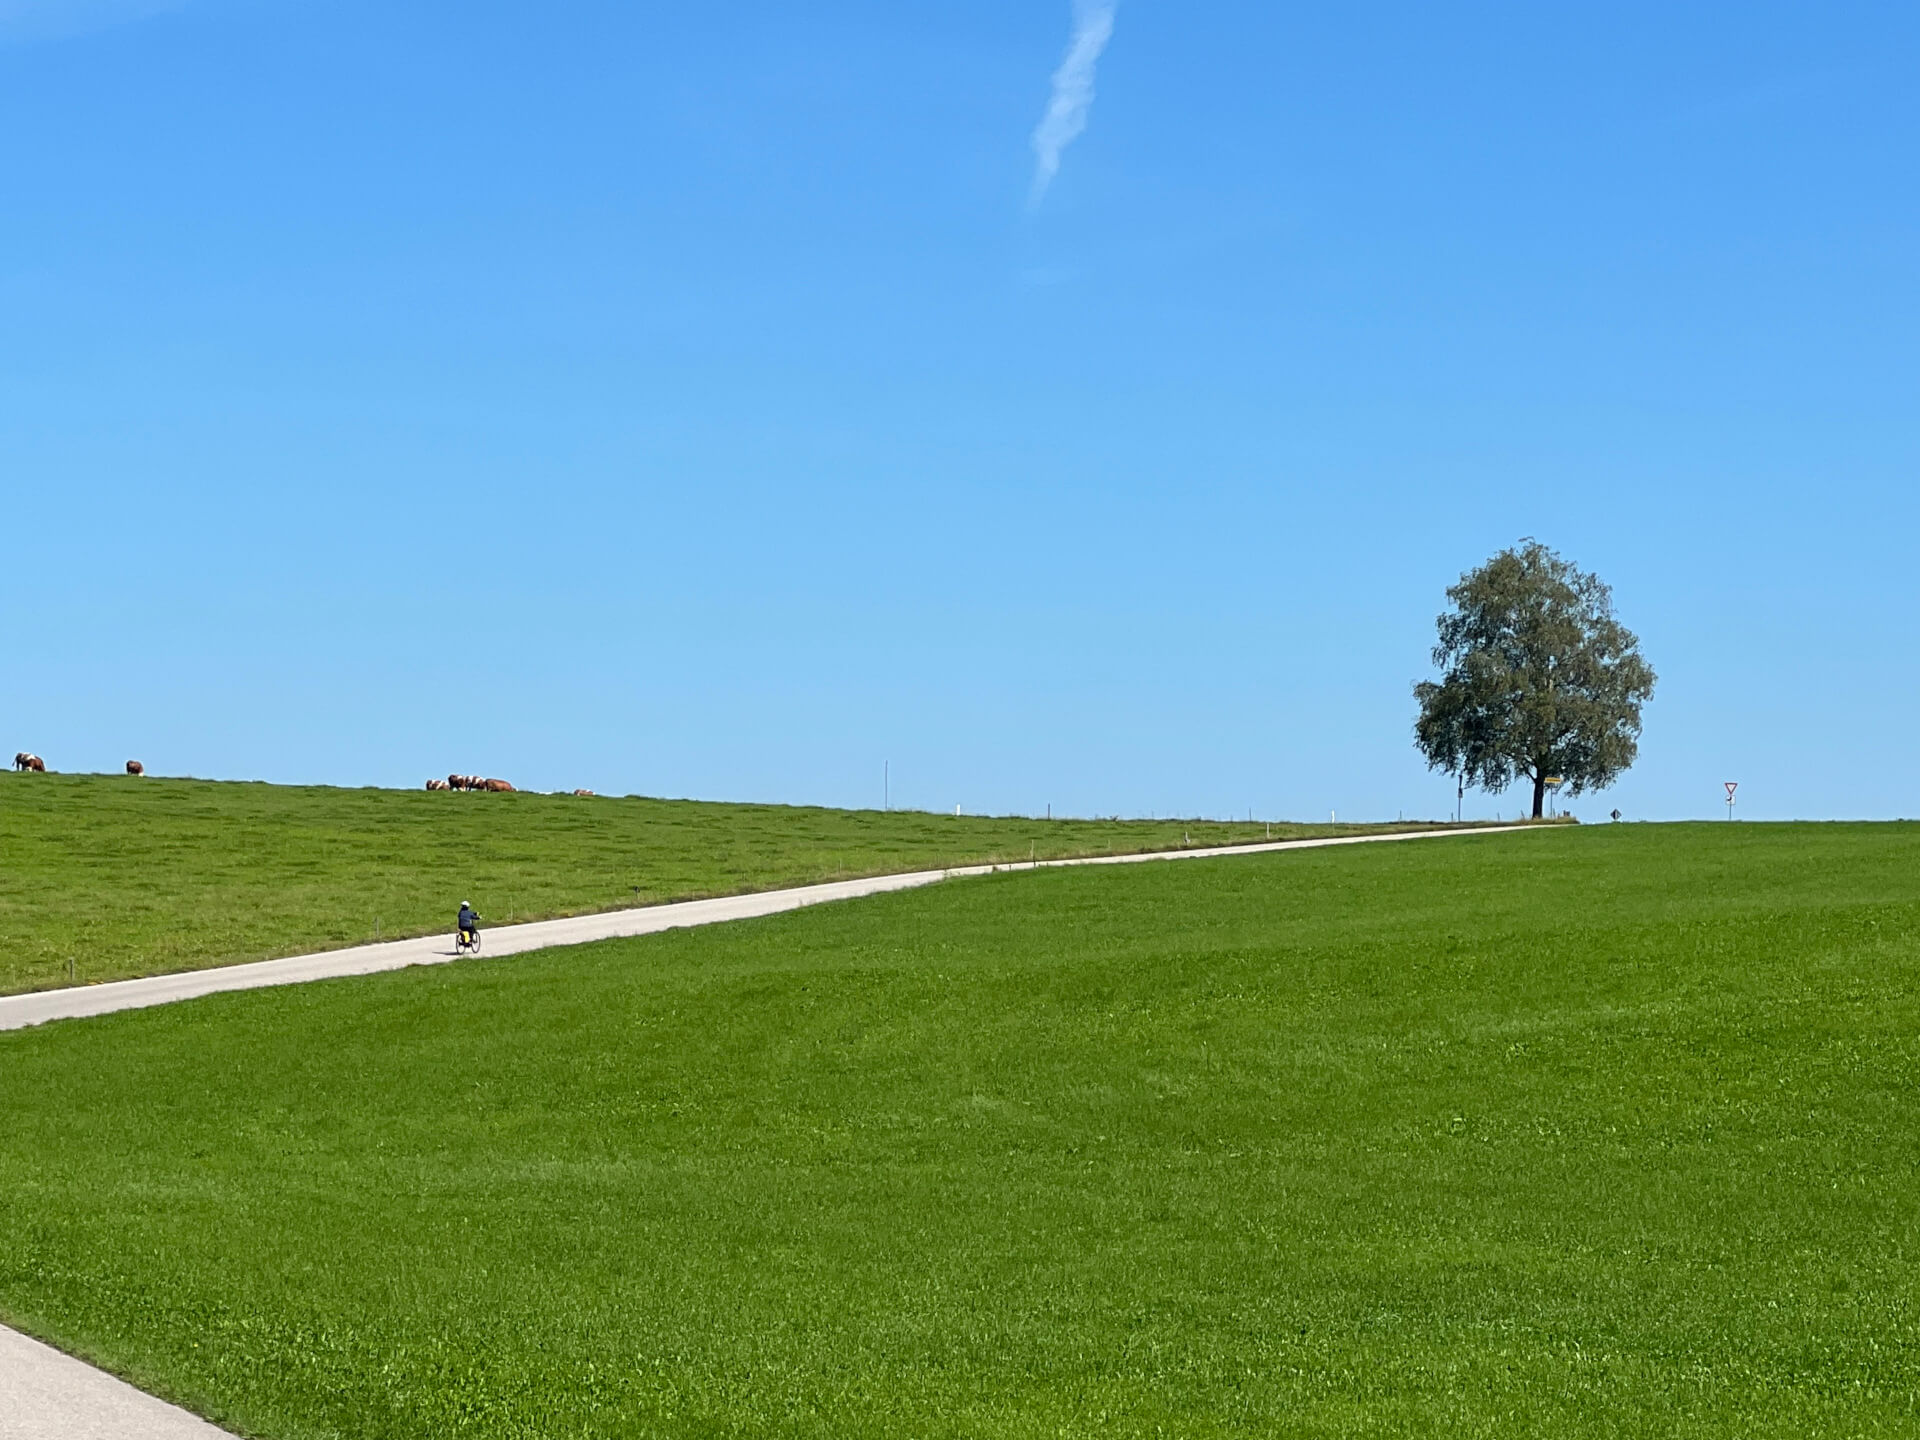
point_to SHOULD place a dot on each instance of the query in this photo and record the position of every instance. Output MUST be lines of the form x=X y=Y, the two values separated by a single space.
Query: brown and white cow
x=134 y=767
x=25 y=761
x=497 y=786
x=587 y=794
x=438 y=785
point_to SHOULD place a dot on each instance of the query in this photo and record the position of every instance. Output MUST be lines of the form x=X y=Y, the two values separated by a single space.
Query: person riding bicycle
x=469 y=922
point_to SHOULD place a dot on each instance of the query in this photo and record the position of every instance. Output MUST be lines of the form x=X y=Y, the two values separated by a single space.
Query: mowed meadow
x=1578 y=1132
x=104 y=877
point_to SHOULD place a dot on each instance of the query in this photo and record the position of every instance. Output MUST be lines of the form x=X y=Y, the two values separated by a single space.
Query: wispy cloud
x=1072 y=98
x=57 y=19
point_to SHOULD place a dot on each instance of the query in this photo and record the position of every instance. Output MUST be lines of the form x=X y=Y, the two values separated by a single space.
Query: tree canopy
x=1539 y=680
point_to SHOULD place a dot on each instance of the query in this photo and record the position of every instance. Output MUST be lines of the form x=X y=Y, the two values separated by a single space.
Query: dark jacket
x=468 y=920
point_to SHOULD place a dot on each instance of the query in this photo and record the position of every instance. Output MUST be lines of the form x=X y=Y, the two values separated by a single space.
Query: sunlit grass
x=105 y=876
x=1599 y=1133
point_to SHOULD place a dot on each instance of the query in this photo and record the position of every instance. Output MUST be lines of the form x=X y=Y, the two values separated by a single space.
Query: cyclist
x=469 y=923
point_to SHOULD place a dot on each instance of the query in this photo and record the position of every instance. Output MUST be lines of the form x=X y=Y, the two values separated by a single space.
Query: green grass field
x=1601 y=1132
x=121 y=877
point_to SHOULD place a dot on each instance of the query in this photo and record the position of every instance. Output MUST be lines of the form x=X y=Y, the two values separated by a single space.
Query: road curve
x=77 y=1002
x=45 y=1395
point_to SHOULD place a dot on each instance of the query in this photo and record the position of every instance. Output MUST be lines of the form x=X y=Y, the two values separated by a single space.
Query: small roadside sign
x=1732 y=785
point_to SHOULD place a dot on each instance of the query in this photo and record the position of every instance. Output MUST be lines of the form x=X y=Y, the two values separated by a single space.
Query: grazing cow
x=498 y=786
x=24 y=761
x=438 y=785
x=587 y=793
x=134 y=767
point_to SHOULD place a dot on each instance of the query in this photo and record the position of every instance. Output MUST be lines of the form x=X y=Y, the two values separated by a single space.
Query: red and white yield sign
x=1732 y=785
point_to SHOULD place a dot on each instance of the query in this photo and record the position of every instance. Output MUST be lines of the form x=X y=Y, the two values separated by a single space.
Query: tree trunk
x=1539 y=793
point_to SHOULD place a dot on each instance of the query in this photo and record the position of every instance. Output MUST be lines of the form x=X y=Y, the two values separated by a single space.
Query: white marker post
x=1732 y=785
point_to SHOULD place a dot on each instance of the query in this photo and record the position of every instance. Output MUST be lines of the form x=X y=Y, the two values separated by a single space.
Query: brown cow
x=497 y=786
x=134 y=767
x=587 y=793
x=24 y=761
x=438 y=785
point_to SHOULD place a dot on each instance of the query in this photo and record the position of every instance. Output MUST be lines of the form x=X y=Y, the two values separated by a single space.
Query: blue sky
x=711 y=401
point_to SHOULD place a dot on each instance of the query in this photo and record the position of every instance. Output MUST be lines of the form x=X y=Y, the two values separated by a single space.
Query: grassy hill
x=1600 y=1132
x=128 y=877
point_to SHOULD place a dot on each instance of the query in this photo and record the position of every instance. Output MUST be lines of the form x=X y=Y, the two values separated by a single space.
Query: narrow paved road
x=19 y=1011
x=45 y=1395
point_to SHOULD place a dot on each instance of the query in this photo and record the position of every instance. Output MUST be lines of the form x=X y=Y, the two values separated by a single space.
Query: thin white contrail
x=1072 y=98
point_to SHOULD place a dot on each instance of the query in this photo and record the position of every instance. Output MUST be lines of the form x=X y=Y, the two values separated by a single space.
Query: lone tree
x=1538 y=679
